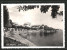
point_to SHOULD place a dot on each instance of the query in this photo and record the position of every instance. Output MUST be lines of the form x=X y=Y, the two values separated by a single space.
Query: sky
x=35 y=17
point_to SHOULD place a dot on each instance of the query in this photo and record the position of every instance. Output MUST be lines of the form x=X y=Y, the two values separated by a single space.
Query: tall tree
x=5 y=15
x=55 y=9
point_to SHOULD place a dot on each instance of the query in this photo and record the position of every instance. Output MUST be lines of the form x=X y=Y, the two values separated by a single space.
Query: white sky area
x=35 y=17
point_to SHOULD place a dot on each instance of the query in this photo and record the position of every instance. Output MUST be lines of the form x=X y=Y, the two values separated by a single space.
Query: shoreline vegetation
x=19 y=35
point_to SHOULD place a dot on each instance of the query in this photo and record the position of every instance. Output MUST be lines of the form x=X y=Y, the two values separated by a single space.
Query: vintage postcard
x=33 y=25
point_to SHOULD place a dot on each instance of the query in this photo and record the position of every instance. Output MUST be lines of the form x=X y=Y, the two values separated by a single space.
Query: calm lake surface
x=44 y=39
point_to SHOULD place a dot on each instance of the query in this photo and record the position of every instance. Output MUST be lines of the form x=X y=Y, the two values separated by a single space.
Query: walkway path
x=22 y=40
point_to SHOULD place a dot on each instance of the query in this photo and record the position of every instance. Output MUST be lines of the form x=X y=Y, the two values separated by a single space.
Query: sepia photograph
x=37 y=25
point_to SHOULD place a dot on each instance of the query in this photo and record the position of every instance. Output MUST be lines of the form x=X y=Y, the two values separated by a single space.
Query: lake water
x=44 y=39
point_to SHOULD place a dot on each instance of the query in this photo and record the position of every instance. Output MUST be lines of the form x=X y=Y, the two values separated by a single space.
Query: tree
x=25 y=8
x=55 y=9
x=5 y=15
x=60 y=13
x=44 y=8
x=19 y=8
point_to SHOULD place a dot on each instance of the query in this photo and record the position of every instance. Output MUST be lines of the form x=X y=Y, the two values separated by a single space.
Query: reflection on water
x=46 y=39
x=44 y=34
x=41 y=34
